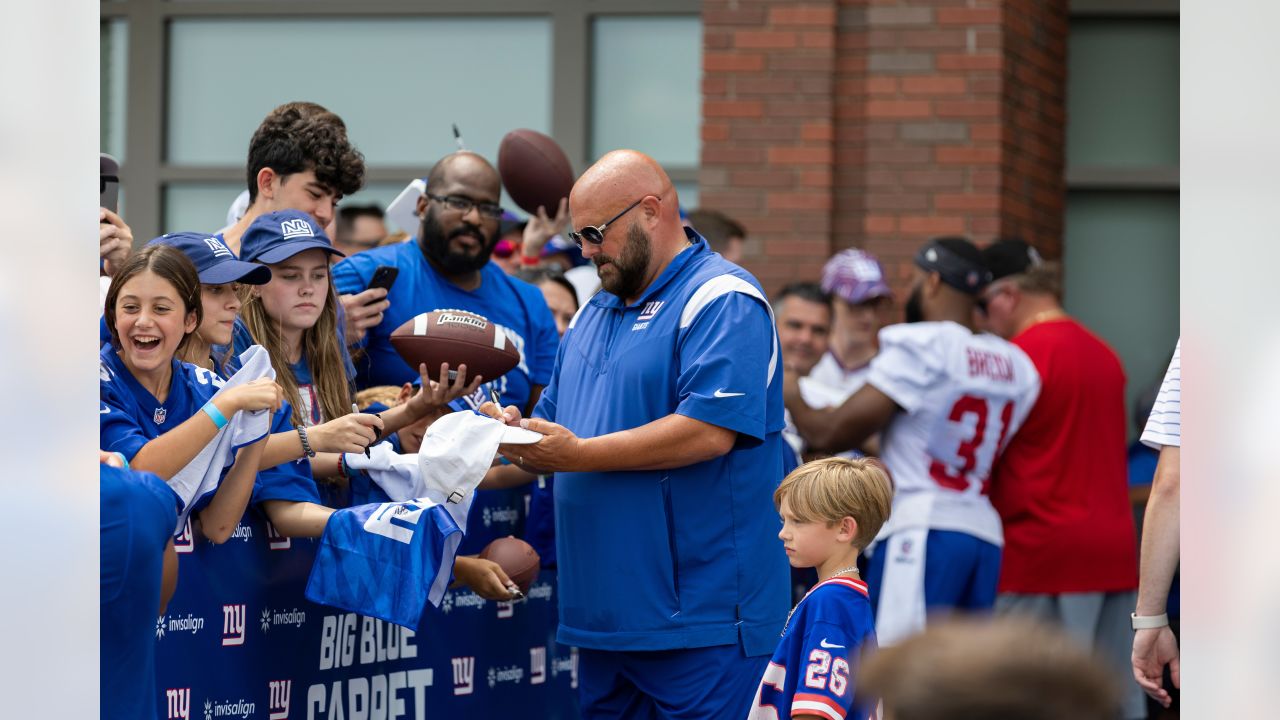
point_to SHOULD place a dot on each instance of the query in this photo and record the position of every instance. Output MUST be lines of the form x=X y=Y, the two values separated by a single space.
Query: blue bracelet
x=123 y=460
x=219 y=420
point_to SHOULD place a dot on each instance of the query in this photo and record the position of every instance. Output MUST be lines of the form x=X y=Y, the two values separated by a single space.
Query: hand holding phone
x=108 y=182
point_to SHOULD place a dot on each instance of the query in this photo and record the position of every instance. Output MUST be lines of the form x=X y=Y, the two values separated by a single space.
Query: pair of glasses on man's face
x=594 y=234
x=462 y=206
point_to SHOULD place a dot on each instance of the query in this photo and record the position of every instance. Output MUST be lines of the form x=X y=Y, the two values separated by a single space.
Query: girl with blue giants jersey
x=294 y=317
x=158 y=412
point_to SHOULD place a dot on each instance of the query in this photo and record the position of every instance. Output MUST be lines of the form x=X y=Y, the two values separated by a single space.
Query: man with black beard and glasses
x=948 y=399
x=448 y=267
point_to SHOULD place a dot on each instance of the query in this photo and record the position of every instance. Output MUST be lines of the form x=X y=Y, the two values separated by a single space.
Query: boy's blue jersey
x=812 y=671
x=511 y=303
x=138 y=512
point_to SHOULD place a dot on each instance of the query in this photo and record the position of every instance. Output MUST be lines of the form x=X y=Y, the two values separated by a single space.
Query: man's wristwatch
x=1148 y=622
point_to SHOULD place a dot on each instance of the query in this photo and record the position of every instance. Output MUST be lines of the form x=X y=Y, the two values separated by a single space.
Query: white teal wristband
x=219 y=420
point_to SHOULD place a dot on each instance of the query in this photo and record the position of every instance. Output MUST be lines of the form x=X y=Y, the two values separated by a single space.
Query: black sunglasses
x=594 y=234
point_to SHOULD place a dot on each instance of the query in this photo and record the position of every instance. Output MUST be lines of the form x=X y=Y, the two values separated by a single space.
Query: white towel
x=202 y=475
x=456 y=453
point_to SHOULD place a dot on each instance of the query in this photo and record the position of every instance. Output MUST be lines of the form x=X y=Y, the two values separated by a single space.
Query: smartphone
x=384 y=277
x=109 y=182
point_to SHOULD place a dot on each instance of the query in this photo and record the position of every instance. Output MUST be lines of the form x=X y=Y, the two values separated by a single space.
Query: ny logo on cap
x=296 y=228
x=218 y=249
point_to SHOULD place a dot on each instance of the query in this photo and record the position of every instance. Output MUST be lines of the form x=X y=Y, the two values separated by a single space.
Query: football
x=534 y=170
x=456 y=337
x=517 y=559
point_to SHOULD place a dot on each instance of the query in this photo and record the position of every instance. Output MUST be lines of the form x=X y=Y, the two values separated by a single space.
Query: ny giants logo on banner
x=275 y=540
x=178 y=701
x=464 y=675
x=537 y=665
x=278 y=692
x=233 y=625
x=505 y=609
x=184 y=543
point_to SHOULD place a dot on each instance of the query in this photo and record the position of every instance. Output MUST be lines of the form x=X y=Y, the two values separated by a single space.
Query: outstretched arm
x=839 y=428
x=1154 y=648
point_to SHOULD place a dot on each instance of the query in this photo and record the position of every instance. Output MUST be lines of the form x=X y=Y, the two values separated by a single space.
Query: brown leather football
x=534 y=170
x=456 y=337
x=517 y=559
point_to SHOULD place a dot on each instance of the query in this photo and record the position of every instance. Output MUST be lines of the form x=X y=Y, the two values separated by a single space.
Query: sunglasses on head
x=594 y=234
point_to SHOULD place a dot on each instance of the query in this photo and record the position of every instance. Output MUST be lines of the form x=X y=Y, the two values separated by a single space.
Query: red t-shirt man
x=1061 y=487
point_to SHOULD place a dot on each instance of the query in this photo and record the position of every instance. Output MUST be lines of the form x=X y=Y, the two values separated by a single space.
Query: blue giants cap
x=214 y=261
x=278 y=236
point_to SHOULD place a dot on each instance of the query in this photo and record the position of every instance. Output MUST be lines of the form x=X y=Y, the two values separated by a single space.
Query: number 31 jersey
x=963 y=396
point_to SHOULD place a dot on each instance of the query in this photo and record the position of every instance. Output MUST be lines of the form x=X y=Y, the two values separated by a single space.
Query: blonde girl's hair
x=832 y=488
x=320 y=349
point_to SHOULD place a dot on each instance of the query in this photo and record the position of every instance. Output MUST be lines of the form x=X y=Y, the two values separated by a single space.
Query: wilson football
x=456 y=337
x=534 y=170
x=517 y=559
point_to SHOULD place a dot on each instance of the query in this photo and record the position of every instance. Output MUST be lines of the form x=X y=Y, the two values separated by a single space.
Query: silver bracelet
x=306 y=446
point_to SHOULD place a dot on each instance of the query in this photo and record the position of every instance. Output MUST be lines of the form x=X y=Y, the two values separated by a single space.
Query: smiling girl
x=294 y=317
x=158 y=413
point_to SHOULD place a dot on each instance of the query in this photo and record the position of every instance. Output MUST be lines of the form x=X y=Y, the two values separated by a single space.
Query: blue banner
x=239 y=640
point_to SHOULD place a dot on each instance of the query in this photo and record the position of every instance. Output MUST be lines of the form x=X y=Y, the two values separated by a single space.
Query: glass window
x=1121 y=276
x=198 y=207
x=1122 y=93
x=397 y=83
x=645 y=91
x=115 y=61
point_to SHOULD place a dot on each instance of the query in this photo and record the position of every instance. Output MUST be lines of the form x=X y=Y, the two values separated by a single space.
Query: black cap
x=1010 y=256
x=956 y=261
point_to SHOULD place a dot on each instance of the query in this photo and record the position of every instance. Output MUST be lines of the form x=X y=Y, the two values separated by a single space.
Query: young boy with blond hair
x=831 y=509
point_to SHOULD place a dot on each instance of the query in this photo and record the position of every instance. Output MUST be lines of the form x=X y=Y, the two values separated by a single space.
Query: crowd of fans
x=998 y=420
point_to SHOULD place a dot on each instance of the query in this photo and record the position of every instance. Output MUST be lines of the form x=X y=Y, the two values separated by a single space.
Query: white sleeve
x=909 y=364
x=1164 y=426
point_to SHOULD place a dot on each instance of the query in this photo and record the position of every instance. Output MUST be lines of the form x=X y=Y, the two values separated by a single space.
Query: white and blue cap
x=278 y=236
x=214 y=261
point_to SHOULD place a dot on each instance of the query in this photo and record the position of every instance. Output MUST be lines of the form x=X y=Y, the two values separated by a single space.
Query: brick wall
x=876 y=124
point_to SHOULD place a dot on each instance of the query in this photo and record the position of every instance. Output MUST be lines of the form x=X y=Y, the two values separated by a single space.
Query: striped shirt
x=1164 y=427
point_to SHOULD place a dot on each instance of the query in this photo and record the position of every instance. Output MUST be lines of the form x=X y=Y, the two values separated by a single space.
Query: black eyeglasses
x=594 y=234
x=462 y=205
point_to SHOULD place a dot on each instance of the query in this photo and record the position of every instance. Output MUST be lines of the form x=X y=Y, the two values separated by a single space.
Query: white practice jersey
x=963 y=396
x=816 y=395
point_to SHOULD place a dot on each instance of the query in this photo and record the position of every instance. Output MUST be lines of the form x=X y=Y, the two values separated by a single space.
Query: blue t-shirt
x=241 y=339
x=698 y=544
x=540 y=527
x=138 y=513
x=515 y=305
x=812 y=672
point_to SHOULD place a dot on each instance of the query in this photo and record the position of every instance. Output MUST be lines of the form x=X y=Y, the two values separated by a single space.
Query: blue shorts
x=960 y=571
x=707 y=682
